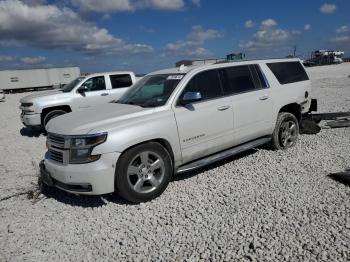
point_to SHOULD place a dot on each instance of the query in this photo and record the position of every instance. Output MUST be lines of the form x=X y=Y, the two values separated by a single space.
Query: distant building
x=325 y=57
x=37 y=78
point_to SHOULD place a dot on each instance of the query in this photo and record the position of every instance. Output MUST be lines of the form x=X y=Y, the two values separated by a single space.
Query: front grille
x=56 y=140
x=57 y=148
x=56 y=155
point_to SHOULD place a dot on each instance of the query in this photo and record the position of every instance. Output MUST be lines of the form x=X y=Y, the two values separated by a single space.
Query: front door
x=96 y=93
x=206 y=126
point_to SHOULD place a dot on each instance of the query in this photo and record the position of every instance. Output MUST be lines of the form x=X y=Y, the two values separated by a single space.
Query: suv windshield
x=152 y=90
x=69 y=87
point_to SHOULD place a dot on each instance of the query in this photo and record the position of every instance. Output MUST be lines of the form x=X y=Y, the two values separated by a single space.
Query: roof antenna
x=182 y=67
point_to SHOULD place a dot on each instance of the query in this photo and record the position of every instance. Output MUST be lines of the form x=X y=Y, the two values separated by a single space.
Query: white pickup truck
x=81 y=93
x=174 y=121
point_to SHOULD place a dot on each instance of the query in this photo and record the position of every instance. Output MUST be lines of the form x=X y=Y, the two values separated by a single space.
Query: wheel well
x=49 y=109
x=294 y=109
x=164 y=143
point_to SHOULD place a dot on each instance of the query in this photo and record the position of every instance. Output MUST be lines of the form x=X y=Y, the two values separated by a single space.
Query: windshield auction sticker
x=175 y=77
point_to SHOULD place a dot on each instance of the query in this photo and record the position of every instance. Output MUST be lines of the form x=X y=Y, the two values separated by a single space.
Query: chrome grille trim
x=58 y=148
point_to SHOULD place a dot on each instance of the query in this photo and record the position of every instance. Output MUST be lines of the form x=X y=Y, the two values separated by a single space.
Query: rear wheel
x=143 y=172
x=286 y=131
x=52 y=115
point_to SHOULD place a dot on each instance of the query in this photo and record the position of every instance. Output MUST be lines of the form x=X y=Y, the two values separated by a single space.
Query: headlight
x=27 y=107
x=27 y=104
x=82 y=146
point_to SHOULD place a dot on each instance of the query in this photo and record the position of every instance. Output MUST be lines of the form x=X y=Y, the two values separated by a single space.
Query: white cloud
x=192 y=46
x=328 y=8
x=268 y=37
x=22 y=60
x=307 y=27
x=196 y=2
x=342 y=38
x=6 y=58
x=128 y=5
x=268 y=23
x=249 y=24
x=33 y=60
x=47 y=26
x=343 y=29
x=167 y=4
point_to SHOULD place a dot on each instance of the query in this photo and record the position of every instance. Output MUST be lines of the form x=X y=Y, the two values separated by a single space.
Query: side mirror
x=82 y=89
x=191 y=97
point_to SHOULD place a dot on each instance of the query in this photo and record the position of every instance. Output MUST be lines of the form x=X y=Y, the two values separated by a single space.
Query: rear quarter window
x=288 y=72
x=120 y=81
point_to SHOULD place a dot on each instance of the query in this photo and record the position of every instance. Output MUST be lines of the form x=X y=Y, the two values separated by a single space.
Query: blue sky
x=146 y=35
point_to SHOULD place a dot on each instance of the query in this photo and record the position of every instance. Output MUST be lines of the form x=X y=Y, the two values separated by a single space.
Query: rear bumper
x=96 y=178
x=31 y=119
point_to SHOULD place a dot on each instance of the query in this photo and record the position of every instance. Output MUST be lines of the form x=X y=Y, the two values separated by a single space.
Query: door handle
x=264 y=97
x=104 y=94
x=223 y=108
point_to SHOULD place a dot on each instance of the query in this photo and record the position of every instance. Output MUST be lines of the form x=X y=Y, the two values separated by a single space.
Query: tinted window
x=288 y=72
x=95 y=83
x=120 y=81
x=207 y=83
x=237 y=79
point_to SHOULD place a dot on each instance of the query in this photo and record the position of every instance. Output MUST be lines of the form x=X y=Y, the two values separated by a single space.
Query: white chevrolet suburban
x=81 y=93
x=173 y=121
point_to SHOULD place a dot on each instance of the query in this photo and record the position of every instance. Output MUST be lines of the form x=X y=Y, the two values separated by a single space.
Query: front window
x=152 y=90
x=69 y=87
x=96 y=83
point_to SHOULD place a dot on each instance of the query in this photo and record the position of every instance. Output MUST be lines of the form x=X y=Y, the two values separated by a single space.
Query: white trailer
x=37 y=78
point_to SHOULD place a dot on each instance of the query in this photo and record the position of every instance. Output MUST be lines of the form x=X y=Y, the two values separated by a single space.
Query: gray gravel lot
x=261 y=205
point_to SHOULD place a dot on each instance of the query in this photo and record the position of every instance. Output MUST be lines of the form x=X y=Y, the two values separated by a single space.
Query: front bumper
x=96 y=178
x=31 y=119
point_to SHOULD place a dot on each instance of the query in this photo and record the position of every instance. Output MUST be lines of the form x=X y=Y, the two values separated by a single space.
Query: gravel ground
x=261 y=205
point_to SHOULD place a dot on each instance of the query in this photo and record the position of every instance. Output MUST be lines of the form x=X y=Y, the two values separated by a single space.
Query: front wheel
x=286 y=131
x=143 y=172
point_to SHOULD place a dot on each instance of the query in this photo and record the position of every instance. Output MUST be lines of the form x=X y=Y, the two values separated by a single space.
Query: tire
x=286 y=132
x=52 y=114
x=135 y=178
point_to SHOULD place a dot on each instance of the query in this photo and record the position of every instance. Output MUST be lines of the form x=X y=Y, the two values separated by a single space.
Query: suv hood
x=95 y=119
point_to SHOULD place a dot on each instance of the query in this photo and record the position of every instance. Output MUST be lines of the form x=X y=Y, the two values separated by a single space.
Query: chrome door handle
x=264 y=97
x=223 y=108
x=104 y=94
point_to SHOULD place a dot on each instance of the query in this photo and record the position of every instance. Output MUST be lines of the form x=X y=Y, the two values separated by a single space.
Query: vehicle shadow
x=30 y=132
x=83 y=200
x=198 y=171
x=99 y=201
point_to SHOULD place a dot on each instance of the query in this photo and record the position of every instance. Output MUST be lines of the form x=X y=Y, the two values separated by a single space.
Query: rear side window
x=120 y=81
x=288 y=72
x=237 y=79
x=207 y=83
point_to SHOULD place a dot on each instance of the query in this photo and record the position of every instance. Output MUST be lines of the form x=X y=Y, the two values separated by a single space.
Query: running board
x=222 y=155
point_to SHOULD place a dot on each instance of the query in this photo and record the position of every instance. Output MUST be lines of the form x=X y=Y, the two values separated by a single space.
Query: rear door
x=119 y=84
x=250 y=100
x=204 y=127
x=96 y=94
